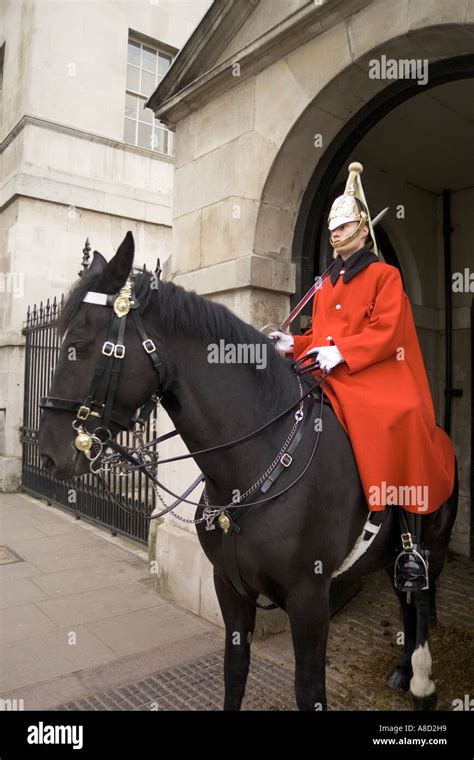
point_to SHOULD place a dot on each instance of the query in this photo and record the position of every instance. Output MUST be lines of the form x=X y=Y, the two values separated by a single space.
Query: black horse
x=289 y=548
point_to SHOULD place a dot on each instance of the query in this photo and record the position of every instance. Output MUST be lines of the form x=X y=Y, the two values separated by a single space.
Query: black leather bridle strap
x=73 y=405
x=148 y=346
x=285 y=461
x=100 y=381
x=115 y=371
x=229 y=538
x=101 y=396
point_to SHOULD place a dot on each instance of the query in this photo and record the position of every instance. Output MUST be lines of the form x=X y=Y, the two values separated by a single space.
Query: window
x=146 y=67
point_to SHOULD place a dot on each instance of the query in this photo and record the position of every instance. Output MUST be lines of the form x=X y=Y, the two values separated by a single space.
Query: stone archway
x=246 y=147
x=343 y=112
x=302 y=176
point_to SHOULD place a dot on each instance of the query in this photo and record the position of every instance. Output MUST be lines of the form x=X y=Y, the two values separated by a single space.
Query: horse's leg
x=239 y=620
x=401 y=674
x=433 y=611
x=422 y=688
x=308 y=611
x=436 y=532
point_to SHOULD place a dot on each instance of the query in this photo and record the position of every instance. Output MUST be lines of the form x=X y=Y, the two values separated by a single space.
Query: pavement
x=82 y=628
x=78 y=611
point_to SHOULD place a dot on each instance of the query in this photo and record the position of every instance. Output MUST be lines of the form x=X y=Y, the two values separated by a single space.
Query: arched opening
x=443 y=162
x=311 y=221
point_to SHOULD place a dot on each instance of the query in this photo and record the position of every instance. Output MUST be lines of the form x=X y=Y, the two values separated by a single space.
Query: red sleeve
x=302 y=342
x=382 y=336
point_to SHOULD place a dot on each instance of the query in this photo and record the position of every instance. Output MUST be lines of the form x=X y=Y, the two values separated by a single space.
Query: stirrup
x=411 y=569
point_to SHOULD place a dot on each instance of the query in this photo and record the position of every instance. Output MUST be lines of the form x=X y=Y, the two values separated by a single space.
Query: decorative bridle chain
x=114 y=462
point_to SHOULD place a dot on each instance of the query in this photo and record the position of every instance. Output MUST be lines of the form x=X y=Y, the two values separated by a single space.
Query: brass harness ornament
x=224 y=522
x=123 y=302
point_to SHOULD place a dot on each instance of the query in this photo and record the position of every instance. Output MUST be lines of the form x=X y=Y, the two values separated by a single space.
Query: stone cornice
x=252 y=271
x=103 y=197
x=213 y=33
x=81 y=134
x=171 y=101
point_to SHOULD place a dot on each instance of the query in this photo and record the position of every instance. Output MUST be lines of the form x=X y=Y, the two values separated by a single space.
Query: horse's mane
x=178 y=312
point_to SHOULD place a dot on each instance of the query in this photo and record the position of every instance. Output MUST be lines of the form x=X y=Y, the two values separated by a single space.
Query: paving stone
x=360 y=658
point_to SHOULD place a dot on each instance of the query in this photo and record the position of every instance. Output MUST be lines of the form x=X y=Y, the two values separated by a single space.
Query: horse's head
x=104 y=373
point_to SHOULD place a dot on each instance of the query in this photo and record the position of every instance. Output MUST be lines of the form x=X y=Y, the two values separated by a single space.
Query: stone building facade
x=76 y=157
x=269 y=101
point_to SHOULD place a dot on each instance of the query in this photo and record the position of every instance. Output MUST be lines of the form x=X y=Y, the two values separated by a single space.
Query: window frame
x=160 y=135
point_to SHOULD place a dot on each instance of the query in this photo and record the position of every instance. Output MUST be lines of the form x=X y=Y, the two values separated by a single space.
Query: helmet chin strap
x=351 y=238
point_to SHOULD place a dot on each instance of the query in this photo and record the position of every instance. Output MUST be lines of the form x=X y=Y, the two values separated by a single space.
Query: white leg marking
x=421 y=685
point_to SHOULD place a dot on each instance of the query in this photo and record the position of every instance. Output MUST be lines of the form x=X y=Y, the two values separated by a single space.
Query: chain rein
x=145 y=459
x=103 y=458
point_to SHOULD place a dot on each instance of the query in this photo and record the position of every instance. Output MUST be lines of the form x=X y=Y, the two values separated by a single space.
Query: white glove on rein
x=328 y=356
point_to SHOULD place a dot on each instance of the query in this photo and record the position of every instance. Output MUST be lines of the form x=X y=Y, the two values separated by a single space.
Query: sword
x=318 y=283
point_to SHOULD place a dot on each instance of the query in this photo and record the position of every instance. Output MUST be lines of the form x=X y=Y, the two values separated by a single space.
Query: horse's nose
x=47 y=462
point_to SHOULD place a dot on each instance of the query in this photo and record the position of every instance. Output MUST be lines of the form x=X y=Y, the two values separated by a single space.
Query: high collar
x=353 y=265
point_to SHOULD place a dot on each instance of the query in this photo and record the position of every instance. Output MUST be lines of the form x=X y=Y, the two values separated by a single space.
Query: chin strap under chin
x=354 y=236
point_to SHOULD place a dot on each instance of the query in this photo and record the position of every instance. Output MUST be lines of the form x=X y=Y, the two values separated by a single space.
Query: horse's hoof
x=427 y=703
x=399 y=679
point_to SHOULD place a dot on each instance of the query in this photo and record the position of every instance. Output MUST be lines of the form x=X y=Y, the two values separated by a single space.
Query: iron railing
x=84 y=496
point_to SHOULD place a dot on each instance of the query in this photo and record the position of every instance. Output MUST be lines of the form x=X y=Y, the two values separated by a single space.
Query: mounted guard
x=363 y=333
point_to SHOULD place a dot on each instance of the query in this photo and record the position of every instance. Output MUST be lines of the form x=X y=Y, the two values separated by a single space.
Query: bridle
x=100 y=401
x=105 y=453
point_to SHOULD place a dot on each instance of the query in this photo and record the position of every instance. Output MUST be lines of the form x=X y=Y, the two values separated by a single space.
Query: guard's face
x=339 y=234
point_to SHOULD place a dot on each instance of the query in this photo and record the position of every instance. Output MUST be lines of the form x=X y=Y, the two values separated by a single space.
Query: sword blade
x=299 y=306
x=319 y=281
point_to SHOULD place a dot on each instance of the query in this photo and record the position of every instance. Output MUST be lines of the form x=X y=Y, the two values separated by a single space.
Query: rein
x=100 y=403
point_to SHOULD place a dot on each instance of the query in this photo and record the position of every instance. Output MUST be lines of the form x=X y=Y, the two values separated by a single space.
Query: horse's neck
x=220 y=403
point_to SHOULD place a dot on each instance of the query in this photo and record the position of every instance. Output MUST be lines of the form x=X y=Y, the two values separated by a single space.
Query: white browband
x=98 y=298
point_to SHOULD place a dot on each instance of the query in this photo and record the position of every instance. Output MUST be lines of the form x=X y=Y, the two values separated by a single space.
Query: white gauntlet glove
x=283 y=342
x=328 y=356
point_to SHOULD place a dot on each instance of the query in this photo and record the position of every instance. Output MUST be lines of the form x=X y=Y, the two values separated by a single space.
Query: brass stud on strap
x=224 y=522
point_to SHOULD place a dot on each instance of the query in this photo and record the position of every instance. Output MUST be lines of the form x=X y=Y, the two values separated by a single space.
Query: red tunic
x=381 y=393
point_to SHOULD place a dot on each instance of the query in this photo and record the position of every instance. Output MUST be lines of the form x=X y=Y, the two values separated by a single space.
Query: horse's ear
x=119 y=267
x=98 y=263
